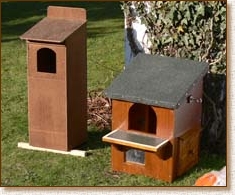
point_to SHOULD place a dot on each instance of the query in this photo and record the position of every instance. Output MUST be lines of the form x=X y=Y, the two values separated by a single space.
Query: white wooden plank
x=24 y=145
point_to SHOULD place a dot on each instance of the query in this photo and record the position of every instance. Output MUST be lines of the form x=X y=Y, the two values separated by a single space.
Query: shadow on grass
x=94 y=140
x=18 y=17
x=211 y=161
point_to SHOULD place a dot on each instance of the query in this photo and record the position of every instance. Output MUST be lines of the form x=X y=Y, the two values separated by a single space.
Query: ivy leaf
x=167 y=40
x=187 y=14
x=184 y=21
x=180 y=29
x=201 y=10
x=184 y=29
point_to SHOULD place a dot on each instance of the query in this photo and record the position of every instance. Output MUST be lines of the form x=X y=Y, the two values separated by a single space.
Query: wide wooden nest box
x=56 y=48
x=156 y=116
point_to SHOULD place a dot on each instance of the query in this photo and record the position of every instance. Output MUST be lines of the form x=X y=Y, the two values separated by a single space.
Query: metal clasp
x=191 y=99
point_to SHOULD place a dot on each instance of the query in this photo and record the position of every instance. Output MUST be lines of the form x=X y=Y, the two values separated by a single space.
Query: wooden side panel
x=188 y=151
x=188 y=115
x=77 y=87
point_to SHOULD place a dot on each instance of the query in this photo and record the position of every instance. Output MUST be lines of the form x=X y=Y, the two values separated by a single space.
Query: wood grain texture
x=57 y=100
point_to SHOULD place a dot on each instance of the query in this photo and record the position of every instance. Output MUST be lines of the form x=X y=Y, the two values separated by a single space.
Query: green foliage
x=194 y=30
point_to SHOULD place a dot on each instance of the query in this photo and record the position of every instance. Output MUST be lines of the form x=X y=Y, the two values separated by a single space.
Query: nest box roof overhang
x=157 y=80
x=57 y=26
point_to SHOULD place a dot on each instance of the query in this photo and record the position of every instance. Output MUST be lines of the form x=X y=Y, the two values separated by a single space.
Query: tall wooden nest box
x=156 y=116
x=56 y=49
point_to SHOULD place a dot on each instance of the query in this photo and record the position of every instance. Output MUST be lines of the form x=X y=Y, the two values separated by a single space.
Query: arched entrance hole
x=142 y=118
x=46 y=60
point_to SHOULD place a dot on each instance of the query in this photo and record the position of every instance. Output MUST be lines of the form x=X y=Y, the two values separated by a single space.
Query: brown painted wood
x=47 y=100
x=71 y=13
x=154 y=165
x=188 y=151
x=120 y=111
x=77 y=87
x=188 y=115
x=57 y=98
x=173 y=158
x=165 y=122
x=160 y=164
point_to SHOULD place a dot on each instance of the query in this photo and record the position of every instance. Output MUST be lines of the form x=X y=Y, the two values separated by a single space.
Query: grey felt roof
x=156 y=80
x=52 y=30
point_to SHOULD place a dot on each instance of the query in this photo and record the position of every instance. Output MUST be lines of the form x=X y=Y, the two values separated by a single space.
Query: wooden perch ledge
x=135 y=140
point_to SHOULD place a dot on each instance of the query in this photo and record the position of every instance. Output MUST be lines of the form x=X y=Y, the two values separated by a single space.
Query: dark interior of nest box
x=142 y=118
x=46 y=60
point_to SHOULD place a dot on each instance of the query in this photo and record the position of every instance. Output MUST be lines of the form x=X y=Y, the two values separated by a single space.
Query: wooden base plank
x=80 y=153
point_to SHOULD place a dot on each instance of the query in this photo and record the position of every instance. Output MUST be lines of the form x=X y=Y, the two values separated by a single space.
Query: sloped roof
x=52 y=30
x=156 y=80
x=57 y=26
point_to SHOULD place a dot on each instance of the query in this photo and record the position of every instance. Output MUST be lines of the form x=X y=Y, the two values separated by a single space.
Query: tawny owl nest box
x=156 y=116
x=56 y=49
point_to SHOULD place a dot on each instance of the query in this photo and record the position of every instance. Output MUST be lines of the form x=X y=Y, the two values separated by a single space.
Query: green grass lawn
x=105 y=42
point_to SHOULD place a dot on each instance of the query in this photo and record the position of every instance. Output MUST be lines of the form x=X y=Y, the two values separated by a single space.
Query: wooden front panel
x=120 y=110
x=60 y=60
x=162 y=119
x=47 y=97
x=160 y=164
x=165 y=122
x=154 y=166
